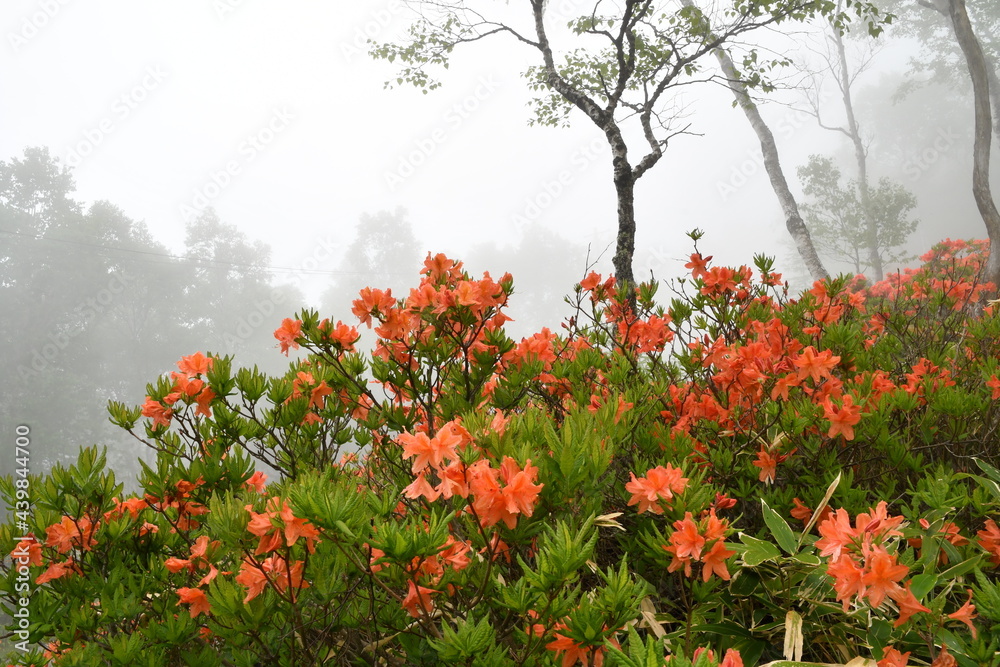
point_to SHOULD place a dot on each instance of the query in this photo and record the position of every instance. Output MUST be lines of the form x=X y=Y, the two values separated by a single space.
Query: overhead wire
x=196 y=260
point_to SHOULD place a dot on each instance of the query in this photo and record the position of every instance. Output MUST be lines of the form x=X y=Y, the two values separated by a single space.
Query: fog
x=179 y=177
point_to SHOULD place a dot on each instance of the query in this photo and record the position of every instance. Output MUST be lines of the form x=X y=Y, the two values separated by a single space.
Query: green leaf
x=990 y=471
x=922 y=584
x=959 y=569
x=779 y=529
x=757 y=551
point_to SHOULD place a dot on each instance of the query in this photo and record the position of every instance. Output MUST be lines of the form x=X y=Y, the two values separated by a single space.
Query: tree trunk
x=625 y=191
x=994 y=98
x=861 y=157
x=793 y=221
x=978 y=70
x=625 y=247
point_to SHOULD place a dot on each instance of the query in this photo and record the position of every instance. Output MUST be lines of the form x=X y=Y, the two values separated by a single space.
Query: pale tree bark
x=994 y=98
x=861 y=157
x=978 y=70
x=772 y=165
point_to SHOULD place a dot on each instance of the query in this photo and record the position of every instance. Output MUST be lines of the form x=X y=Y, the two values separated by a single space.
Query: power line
x=196 y=260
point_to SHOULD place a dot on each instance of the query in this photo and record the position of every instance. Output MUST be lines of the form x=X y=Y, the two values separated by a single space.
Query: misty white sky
x=274 y=114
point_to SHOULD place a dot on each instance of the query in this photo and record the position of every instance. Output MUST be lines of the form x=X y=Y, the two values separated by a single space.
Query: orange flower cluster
x=274 y=570
x=198 y=559
x=732 y=657
x=188 y=386
x=572 y=651
x=492 y=502
x=278 y=525
x=864 y=568
x=989 y=539
x=702 y=541
x=659 y=484
x=186 y=509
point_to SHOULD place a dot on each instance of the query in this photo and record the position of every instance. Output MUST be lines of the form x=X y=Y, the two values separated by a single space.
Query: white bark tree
x=620 y=63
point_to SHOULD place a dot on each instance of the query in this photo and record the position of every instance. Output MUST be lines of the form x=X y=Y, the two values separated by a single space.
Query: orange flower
x=493 y=503
x=418 y=600
x=994 y=384
x=848 y=579
x=455 y=554
x=317 y=397
x=57 y=570
x=573 y=652
x=159 y=413
x=944 y=658
x=715 y=561
x=686 y=541
x=768 y=464
x=842 y=421
x=520 y=495
x=732 y=658
x=591 y=281
x=836 y=534
x=429 y=451
x=966 y=613
x=286 y=576
x=908 y=606
x=882 y=575
x=343 y=335
x=893 y=658
x=175 y=565
x=196 y=598
x=200 y=547
x=264 y=526
x=421 y=488
x=60 y=535
x=453 y=481
x=288 y=333
x=257 y=482
x=27 y=552
x=195 y=364
x=804 y=513
x=659 y=483
x=372 y=302
x=134 y=506
x=253 y=578
x=698 y=265
x=816 y=366
x=989 y=539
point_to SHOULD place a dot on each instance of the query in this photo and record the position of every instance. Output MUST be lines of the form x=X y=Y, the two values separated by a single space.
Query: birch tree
x=772 y=165
x=618 y=63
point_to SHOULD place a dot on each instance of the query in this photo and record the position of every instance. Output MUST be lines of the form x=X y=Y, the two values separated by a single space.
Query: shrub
x=622 y=492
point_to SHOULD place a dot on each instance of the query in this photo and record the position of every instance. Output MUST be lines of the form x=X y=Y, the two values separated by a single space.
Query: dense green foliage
x=631 y=491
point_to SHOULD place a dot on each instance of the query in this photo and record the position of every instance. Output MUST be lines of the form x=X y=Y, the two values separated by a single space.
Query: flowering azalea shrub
x=729 y=478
